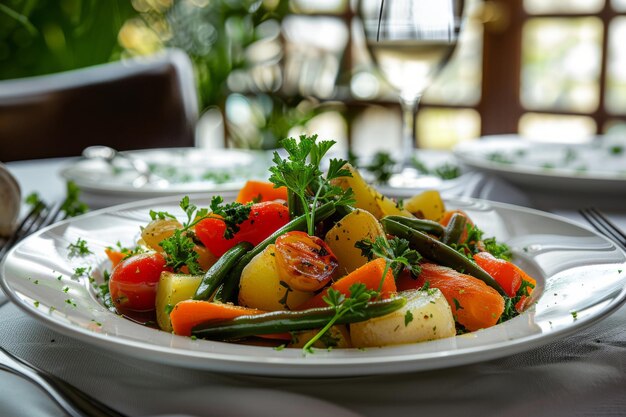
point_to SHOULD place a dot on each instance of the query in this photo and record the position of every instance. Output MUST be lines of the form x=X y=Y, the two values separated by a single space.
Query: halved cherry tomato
x=305 y=262
x=134 y=281
x=265 y=219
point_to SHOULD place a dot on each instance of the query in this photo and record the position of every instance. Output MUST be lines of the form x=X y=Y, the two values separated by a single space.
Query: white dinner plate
x=186 y=170
x=596 y=167
x=581 y=278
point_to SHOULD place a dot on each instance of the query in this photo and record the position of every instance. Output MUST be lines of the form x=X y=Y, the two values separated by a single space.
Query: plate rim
x=314 y=366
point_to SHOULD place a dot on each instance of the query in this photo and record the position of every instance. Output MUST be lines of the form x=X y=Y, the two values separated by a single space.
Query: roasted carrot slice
x=114 y=256
x=259 y=191
x=369 y=274
x=189 y=313
x=504 y=272
x=474 y=304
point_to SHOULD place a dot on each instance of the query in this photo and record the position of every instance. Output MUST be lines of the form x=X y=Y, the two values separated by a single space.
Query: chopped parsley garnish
x=499 y=157
x=446 y=171
x=381 y=167
x=179 y=248
x=574 y=315
x=78 y=249
x=300 y=173
x=81 y=271
x=72 y=206
x=474 y=240
x=408 y=317
x=395 y=251
x=510 y=303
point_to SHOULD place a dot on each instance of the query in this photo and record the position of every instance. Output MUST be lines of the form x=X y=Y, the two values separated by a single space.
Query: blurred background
x=548 y=69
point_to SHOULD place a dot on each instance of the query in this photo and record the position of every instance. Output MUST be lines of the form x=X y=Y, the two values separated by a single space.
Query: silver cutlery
x=73 y=401
x=604 y=226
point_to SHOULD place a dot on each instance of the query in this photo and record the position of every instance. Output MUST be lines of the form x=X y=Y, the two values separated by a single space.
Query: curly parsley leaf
x=161 y=215
x=475 y=243
x=301 y=175
x=396 y=252
x=233 y=214
x=179 y=248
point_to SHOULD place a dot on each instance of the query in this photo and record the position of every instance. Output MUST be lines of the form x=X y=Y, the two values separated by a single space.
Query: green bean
x=216 y=274
x=294 y=204
x=423 y=225
x=454 y=229
x=230 y=288
x=439 y=252
x=289 y=321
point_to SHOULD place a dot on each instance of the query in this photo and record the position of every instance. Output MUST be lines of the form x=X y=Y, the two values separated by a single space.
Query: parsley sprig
x=355 y=303
x=179 y=248
x=300 y=173
x=476 y=243
x=395 y=251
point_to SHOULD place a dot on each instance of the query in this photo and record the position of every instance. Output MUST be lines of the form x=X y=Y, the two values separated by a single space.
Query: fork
x=73 y=401
x=40 y=216
x=604 y=226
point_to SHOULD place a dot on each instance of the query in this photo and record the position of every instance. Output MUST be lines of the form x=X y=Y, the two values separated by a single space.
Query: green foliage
x=179 y=248
x=395 y=251
x=45 y=36
x=300 y=173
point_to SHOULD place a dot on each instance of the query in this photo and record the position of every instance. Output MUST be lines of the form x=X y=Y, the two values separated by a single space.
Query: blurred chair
x=147 y=102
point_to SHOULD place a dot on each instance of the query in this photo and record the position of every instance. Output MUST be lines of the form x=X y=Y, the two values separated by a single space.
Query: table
x=584 y=374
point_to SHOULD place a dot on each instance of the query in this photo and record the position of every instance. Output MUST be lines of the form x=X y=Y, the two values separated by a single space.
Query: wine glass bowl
x=410 y=41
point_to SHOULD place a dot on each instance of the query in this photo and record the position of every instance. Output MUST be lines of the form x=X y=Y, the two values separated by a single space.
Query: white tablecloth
x=582 y=375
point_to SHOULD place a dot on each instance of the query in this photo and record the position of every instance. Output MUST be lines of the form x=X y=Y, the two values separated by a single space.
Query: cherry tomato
x=265 y=218
x=304 y=262
x=133 y=282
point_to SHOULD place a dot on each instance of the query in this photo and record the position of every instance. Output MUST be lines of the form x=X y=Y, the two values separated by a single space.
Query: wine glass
x=410 y=41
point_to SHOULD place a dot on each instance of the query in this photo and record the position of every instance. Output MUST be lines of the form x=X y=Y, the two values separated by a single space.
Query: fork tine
x=603 y=225
x=24 y=227
x=616 y=230
x=37 y=218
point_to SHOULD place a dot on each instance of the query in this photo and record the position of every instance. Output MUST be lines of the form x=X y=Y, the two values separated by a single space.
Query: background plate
x=577 y=271
x=598 y=167
x=188 y=170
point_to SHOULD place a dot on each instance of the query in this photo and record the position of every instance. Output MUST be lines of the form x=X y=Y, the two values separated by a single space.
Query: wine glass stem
x=409 y=111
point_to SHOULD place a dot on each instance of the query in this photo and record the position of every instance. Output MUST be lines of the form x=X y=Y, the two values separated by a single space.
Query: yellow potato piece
x=367 y=197
x=426 y=205
x=172 y=289
x=158 y=230
x=261 y=287
x=426 y=316
x=356 y=226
